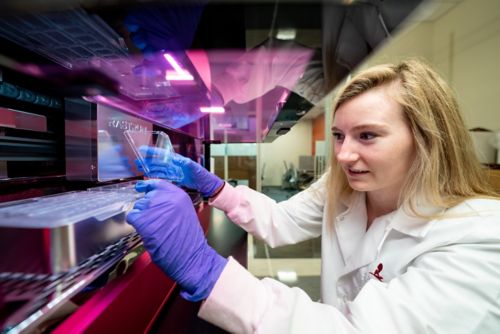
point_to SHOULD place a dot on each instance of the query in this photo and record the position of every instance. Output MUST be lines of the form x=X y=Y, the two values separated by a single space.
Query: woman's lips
x=356 y=172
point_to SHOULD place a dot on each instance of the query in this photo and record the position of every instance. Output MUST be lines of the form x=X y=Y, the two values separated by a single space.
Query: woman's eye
x=338 y=136
x=367 y=135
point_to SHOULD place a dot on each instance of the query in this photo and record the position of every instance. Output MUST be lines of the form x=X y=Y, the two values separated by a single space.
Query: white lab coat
x=439 y=276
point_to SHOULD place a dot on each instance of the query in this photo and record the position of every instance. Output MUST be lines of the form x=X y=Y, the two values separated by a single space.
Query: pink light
x=213 y=110
x=284 y=96
x=178 y=74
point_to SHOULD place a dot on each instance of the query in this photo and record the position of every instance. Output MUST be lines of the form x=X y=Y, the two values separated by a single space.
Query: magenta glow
x=178 y=74
x=214 y=110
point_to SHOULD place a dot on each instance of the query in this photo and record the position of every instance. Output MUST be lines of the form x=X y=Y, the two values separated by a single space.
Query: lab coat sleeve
x=296 y=219
x=241 y=303
x=451 y=289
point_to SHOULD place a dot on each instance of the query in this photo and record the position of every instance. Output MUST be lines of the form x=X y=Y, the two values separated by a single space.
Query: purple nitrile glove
x=166 y=220
x=194 y=176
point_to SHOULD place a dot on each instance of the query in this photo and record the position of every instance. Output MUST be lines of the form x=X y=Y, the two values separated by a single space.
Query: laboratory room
x=264 y=166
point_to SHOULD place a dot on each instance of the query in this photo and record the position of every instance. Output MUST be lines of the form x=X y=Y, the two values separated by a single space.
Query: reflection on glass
x=113 y=163
x=154 y=153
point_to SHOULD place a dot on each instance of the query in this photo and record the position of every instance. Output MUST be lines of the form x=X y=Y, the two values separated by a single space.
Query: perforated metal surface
x=29 y=299
x=66 y=37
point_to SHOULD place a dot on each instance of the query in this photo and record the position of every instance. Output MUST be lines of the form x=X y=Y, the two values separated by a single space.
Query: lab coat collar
x=350 y=224
x=354 y=207
x=407 y=223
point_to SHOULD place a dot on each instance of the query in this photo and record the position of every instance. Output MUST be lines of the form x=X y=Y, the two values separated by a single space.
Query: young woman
x=410 y=228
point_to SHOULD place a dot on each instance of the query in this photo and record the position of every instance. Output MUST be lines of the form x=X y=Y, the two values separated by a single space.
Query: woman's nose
x=346 y=152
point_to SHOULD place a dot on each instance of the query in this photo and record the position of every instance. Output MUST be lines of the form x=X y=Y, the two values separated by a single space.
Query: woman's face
x=373 y=142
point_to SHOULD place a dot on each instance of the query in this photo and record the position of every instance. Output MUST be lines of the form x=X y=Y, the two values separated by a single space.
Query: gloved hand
x=194 y=175
x=166 y=221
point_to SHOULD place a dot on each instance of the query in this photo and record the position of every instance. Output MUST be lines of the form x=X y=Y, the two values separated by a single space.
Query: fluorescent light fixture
x=178 y=74
x=287 y=276
x=213 y=110
x=286 y=34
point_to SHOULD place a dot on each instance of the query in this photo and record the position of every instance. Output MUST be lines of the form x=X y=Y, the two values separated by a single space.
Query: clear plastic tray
x=123 y=187
x=154 y=153
x=65 y=209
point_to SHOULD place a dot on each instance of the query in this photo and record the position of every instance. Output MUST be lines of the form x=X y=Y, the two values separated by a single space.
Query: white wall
x=466 y=43
x=285 y=148
x=464 y=46
x=414 y=41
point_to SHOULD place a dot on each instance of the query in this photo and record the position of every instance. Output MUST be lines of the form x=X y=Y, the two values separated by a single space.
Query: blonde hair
x=446 y=170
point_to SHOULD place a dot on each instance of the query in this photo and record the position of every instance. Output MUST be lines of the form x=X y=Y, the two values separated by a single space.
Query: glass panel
x=257 y=66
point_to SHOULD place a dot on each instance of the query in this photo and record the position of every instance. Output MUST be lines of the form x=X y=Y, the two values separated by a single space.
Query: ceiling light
x=287 y=276
x=213 y=110
x=286 y=34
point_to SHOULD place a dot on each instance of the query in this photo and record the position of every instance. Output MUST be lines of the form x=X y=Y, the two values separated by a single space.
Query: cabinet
x=494 y=176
